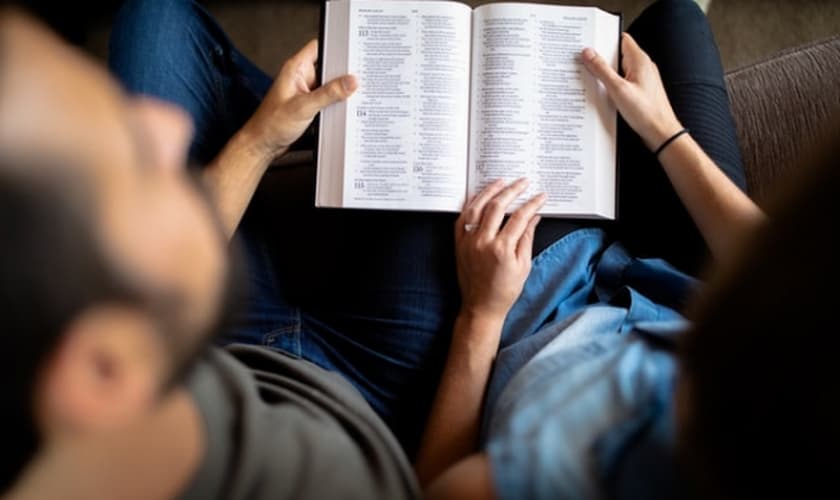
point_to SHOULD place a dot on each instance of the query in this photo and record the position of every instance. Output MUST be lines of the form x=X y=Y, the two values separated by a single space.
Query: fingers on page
x=494 y=213
x=518 y=223
x=472 y=212
x=600 y=69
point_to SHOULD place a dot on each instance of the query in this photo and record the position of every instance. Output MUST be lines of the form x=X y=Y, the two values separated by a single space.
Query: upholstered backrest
x=782 y=106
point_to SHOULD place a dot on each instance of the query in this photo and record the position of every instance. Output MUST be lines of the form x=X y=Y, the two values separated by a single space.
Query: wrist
x=475 y=340
x=252 y=143
x=661 y=132
x=472 y=322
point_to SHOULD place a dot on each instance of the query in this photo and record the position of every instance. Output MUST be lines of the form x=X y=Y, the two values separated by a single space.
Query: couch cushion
x=782 y=107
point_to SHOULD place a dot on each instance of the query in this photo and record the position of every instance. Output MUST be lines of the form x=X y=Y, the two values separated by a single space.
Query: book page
x=406 y=127
x=536 y=111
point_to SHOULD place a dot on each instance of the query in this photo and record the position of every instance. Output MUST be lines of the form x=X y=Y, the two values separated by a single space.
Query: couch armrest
x=782 y=107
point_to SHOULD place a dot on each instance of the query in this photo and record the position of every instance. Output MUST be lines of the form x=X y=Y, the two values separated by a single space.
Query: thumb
x=334 y=91
x=601 y=70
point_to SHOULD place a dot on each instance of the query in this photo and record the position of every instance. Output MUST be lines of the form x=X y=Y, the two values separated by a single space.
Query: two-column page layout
x=451 y=99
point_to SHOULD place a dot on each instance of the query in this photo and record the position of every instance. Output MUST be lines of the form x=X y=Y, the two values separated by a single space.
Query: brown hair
x=760 y=365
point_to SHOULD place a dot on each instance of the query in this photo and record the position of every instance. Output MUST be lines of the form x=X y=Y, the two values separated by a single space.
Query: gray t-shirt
x=278 y=428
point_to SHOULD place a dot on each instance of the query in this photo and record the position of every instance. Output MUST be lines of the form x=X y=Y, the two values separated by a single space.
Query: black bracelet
x=669 y=141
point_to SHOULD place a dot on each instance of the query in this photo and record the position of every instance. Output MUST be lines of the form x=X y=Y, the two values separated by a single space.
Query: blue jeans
x=373 y=295
x=370 y=295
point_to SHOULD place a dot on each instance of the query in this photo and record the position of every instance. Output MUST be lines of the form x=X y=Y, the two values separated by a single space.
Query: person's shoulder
x=280 y=427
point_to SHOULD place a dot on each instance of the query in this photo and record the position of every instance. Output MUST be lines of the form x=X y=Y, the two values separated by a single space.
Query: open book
x=451 y=99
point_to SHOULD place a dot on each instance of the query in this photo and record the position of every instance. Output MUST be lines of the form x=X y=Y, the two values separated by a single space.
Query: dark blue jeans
x=652 y=221
x=371 y=294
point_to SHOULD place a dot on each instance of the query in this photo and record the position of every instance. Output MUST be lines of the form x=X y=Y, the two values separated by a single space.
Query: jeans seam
x=292 y=330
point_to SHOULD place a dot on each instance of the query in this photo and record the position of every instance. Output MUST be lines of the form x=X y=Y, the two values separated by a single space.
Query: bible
x=451 y=98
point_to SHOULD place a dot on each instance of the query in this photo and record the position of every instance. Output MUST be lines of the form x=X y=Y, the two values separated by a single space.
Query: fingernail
x=349 y=83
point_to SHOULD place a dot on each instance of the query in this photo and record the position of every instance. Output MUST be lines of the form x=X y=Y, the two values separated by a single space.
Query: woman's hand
x=292 y=103
x=494 y=259
x=639 y=96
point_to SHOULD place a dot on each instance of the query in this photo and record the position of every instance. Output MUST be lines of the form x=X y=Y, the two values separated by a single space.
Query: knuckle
x=499 y=250
x=334 y=91
x=495 y=204
x=297 y=106
x=517 y=217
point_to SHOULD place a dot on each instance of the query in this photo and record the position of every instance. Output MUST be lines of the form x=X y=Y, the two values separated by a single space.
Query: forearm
x=452 y=430
x=722 y=212
x=233 y=177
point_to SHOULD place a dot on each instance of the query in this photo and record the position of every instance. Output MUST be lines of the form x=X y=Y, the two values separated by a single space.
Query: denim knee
x=151 y=15
x=662 y=12
x=676 y=34
x=148 y=32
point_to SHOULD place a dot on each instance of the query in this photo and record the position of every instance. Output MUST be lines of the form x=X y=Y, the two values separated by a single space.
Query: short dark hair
x=53 y=267
x=761 y=364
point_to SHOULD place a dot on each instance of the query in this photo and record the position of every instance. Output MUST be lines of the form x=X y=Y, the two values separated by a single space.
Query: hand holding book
x=288 y=108
x=639 y=96
x=293 y=101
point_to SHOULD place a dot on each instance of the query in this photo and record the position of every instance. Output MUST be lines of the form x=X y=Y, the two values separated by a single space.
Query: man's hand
x=289 y=107
x=292 y=103
x=494 y=260
x=639 y=96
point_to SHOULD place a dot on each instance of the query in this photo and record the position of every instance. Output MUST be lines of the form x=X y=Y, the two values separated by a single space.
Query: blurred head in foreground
x=759 y=391
x=112 y=264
